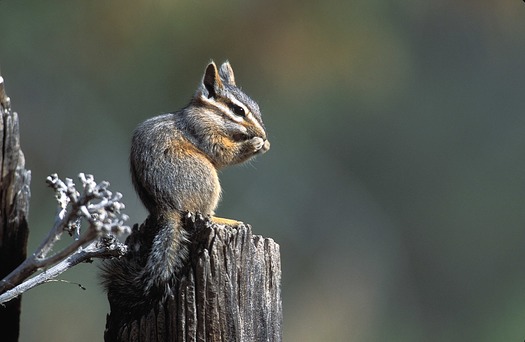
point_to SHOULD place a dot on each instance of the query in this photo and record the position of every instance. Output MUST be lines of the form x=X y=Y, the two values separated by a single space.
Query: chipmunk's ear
x=211 y=82
x=226 y=73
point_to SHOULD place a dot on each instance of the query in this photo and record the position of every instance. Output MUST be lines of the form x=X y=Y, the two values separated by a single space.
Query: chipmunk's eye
x=237 y=110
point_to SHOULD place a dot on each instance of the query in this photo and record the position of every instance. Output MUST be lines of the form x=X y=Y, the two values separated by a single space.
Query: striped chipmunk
x=174 y=162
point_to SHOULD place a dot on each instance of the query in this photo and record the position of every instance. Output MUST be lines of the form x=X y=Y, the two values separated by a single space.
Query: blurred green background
x=395 y=185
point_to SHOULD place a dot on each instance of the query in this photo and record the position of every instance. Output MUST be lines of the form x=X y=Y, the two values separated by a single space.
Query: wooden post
x=14 y=208
x=230 y=291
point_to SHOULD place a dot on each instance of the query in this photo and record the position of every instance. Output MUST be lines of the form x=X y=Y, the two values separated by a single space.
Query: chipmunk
x=174 y=162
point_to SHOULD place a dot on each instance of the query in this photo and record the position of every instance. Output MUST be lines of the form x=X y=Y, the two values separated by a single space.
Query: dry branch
x=95 y=204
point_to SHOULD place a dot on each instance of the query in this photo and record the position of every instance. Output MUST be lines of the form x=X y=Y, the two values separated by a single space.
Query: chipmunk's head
x=229 y=108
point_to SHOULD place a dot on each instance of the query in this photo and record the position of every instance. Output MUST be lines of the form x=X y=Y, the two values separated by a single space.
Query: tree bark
x=14 y=208
x=230 y=291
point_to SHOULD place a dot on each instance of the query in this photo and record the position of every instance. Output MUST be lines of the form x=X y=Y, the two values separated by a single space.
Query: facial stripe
x=249 y=117
x=223 y=108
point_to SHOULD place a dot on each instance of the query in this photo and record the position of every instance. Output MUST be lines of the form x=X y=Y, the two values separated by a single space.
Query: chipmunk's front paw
x=260 y=145
x=257 y=143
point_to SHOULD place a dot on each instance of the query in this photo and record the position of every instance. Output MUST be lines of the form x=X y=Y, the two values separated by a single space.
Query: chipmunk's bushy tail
x=157 y=250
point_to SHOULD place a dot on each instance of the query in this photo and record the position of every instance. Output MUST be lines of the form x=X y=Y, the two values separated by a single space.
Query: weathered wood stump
x=229 y=291
x=14 y=208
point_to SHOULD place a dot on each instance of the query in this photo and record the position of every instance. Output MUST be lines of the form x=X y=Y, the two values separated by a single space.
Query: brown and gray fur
x=174 y=162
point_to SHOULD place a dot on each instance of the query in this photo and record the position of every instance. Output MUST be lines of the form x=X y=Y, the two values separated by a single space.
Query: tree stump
x=14 y=208
x=229 y=291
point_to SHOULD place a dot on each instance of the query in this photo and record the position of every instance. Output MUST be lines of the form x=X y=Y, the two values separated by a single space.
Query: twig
x=96 y=205
x=102 y=248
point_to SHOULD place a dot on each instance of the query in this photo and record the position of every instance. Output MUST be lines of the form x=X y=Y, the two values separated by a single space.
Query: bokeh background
x=395 y=185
